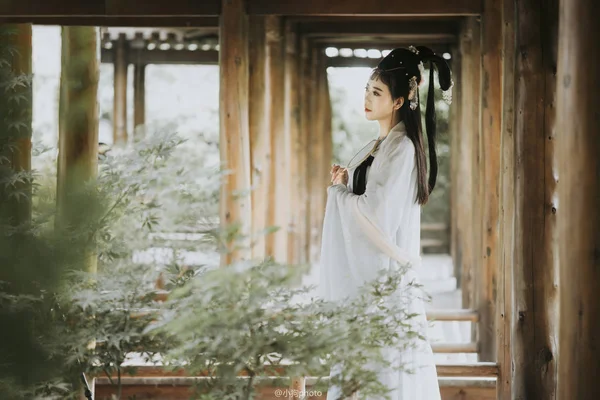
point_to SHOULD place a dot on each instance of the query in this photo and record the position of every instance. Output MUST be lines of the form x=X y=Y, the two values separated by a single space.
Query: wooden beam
x=468 y=389
x=260 y=133
x=453 y=315
x=475 y=370
x=454 y=347
x=78 y=123
x=578 y=215
x=170 y=57
x=445 y=370
x=535 y=264
x=359 y=7
x=378 y=45
x=279 y=185
x=491 y=117
x=120 y=92
x=351 y=62
x=235 y=202
x=185 y=8
x=441 y=28
x=139 y=95
x=112 y=21
x=110 y=8
x=16 y=122
x=181 y=388
x=391 y=41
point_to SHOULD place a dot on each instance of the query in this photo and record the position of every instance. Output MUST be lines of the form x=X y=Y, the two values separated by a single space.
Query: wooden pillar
x=490 y=139
x=292 y=127
x=260 y=134
x=315 y=157
x=458 y=181
x=120 y=92
x=303 y=153
x=139 y=95
x=279 y=185
x=504 y=300
x=235 y=205
x=578 y=214
x=466 y=153
x=15 y=122
x=78 y=120
x=535 y=264
x=327 y=138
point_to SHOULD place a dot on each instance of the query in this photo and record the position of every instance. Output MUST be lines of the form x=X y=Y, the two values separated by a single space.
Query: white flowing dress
x=363 y=234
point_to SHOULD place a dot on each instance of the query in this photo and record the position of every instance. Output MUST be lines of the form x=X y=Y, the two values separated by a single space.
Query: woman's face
x=378 y=101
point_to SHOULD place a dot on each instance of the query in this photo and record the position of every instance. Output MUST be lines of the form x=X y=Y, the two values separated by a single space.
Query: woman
x=373 y=213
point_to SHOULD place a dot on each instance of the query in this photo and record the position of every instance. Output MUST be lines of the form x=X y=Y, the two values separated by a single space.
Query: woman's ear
x=399 y=103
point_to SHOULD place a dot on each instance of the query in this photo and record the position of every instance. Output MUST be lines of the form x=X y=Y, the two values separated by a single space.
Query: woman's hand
x=339 y=175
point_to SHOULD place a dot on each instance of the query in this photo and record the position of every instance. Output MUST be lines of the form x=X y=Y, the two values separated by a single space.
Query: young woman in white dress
x=373 y=213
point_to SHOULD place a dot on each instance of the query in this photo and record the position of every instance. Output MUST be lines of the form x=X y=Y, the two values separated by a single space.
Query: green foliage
x=64 y=320
x=247 y=317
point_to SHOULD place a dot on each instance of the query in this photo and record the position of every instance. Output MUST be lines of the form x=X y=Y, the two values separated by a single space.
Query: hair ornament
x=447 y=94
x=422 y=72
x=413 y=87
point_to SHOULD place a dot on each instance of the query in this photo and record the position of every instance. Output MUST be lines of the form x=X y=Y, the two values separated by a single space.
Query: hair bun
x=444 y=73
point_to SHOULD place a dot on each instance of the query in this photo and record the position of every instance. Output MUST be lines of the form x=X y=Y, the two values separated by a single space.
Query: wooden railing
x=475 y=381
x=435 y=237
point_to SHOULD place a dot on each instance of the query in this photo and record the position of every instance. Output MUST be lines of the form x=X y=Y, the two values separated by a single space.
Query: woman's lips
x=367 y=110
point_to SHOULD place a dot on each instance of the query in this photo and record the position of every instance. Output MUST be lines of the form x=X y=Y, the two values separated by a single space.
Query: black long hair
x=395 y=71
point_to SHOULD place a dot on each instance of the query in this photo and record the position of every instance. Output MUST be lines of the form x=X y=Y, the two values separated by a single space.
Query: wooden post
x=139 y=95
x=15 y=122
x=315 y=155
x=467 y=184
x=78 y=120
x=303 y=145
x=535 y=264
x=292 y=126
x=490 y=138
x=120 y=92
x=260 y=134
x=235 y=205
x=458 y=181
x=279 y=185
x=327 y=138
x=578 y=215
x=504 y=300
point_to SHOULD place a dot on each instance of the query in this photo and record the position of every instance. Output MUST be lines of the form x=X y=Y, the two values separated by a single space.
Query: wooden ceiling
x=372 y=24
x=187 y=8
